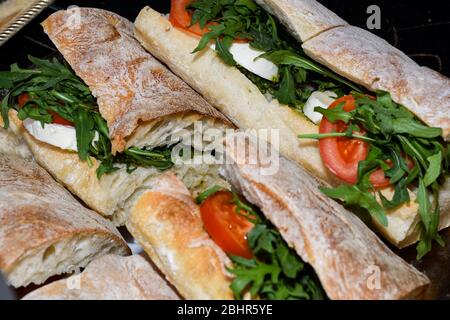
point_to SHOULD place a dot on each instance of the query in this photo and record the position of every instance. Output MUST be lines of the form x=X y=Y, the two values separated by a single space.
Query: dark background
x=420 y=29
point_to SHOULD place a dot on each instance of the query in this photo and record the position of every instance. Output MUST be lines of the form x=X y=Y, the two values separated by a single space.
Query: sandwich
x=111 y=277
x=44 y=230
x=354 y=111
x=267 y=236
x=108 y=116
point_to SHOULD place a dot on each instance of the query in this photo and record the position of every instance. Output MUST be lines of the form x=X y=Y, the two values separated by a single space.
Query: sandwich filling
x=263 y=264
x=366 y=139
x=62 y=104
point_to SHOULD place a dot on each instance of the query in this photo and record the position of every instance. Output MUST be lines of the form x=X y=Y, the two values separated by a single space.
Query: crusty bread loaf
x=166 y=222
x=110 y=277
x=240 y=100
x=304 y=19
x=372 y=62
x=349 y=259
x=130 y=85
x=44 y=231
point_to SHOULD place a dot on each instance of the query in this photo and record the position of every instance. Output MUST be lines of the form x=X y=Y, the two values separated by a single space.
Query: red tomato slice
x=24 y=97
x=228 y=229
x=181 y=17
x=341 y=155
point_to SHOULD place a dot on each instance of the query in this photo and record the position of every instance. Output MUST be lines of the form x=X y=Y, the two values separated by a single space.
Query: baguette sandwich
x=109 y=117
x=44 y=230
x=271 y=236
x=354 y=111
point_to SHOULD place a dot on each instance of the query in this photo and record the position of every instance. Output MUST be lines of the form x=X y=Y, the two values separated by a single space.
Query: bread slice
x=349 y=259
x=44 y=231
x=372 y=62
x=166 y=222
x=304 y=19
x=240 y=100
x=110 y=277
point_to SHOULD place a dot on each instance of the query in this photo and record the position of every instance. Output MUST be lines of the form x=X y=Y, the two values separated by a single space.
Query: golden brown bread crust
x=372 y=62
x=167 y=224
x=129 y=84
x=303 y=18
x=346 y=255
x=36 y=212
x=110 y=278
x=107 y=195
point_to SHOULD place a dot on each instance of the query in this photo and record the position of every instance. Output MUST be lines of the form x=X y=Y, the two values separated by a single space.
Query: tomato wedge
x=57 y=119
x=227 y=228
x=341 y=155
x=181 y=18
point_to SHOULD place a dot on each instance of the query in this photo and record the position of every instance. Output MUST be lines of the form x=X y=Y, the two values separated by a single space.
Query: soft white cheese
x=247 y=57
x=57 y=135
x=318 y=99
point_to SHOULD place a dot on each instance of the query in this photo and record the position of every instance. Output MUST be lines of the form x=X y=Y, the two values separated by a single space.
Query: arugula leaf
x=356 y=195
x=336 y=114
x=286 y=93
x=434 y=169
x=84 y=125
x=287 y=57
x=4 y=111
x=414 y=128
x=223 y=49
x=207 y=193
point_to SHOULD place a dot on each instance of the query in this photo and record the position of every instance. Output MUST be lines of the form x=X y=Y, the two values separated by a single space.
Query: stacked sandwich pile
x=358 y=131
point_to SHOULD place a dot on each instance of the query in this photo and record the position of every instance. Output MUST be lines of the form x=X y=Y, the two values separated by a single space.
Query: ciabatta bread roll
x=166 y=222
x=44 y=231
x=110 y=277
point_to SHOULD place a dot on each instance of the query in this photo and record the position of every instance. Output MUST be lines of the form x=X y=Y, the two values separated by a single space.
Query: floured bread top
x=129 y=84
x=372 y=62
x=303 y=18
x=35 y=210
x=110 y=277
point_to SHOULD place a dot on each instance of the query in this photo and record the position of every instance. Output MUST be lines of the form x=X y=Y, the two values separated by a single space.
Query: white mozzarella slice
x=245 y=56
x=57 y=135
x=318 y=99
